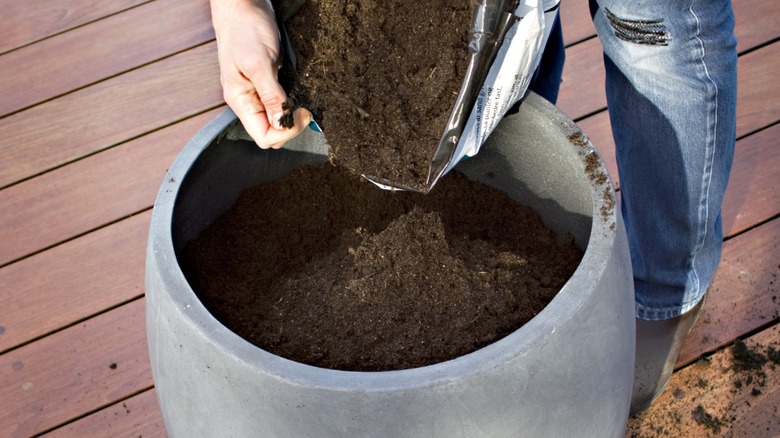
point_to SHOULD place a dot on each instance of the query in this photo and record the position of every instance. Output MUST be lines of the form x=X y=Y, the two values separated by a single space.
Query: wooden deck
x=97 y=100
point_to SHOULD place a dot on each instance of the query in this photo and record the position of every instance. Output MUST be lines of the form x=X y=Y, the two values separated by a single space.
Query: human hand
x=248 y=50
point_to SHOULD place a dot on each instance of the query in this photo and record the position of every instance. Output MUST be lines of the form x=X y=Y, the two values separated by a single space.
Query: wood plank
x=91 y=192
x=75 y=371
x=744 y=292
x=718 y=398
x=758 y=96
x=138 y=416
x=73 y=281
x=576 y=21
x=105 y=114
x=105 y=48
x=753 y=194
x=24 y=22
x=582 y=85
x=756 y=22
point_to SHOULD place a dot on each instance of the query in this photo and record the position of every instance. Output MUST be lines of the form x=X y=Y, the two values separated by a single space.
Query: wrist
x=223 y=10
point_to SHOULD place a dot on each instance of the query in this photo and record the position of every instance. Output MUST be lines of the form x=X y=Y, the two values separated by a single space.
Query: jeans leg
x=671 y=89
x=547 y=78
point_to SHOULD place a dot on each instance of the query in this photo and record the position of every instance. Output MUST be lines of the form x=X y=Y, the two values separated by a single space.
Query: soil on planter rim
x=323 y=268
x=380 y=77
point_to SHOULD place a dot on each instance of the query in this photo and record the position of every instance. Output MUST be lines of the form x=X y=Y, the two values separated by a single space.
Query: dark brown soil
x=745 y=359
x=323 y=268
x=380 y=77
x=704 y=418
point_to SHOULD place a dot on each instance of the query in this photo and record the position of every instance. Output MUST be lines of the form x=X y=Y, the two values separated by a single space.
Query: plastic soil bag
x=506 y=41
x=506 y=44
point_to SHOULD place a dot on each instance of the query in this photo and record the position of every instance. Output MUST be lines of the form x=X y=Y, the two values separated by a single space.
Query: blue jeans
x=671 y=83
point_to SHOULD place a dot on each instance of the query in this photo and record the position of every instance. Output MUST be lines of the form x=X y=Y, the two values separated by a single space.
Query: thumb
x=272 y=96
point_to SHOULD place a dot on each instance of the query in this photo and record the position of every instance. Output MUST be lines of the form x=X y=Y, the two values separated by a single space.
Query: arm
x=248 y=48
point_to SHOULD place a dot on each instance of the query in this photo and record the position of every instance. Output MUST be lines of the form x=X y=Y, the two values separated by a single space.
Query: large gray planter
x=567 y=373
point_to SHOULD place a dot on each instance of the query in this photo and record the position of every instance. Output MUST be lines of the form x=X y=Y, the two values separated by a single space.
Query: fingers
x=276 y=138
x=271 y=95
x=242 y=96
x=253 y=116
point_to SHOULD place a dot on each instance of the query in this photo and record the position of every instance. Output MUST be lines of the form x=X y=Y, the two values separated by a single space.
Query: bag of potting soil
x=506 y=45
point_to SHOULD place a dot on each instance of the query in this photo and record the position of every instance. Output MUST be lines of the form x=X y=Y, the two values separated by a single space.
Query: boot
x=658 y=344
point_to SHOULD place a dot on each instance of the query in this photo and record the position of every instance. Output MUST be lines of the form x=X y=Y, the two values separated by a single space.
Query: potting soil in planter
x=380 y=77
x=323 y=268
